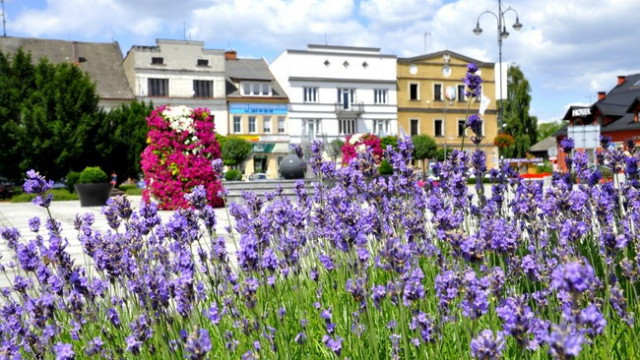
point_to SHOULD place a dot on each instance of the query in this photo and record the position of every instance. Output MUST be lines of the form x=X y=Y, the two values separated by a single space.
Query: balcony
x=349 y=111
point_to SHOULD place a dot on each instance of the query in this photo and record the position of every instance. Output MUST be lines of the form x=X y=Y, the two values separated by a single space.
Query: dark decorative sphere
x=292 y=167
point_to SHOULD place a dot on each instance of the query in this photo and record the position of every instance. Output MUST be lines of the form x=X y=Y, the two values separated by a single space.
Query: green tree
x=548 y=129
x=389 y=140
x=16 y=83
x=122 y=138
x=424 y=147
x=334 y=150
x=235 y=151
x=518 y=122
x=58 y=121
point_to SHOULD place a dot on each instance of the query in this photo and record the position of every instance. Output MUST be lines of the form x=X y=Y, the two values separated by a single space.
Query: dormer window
x=256 y=88
x=203 y=62
x=157 y=61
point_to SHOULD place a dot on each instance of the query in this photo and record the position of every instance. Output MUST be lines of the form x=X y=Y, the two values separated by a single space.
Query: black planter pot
x=93 y=194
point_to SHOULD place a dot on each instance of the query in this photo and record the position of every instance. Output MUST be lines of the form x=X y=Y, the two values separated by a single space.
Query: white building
x=180 y=72
x=335 y=91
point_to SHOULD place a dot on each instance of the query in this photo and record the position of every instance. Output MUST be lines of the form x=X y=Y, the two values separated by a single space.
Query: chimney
x=602 y=95
x=231 y=55
x=621 y=79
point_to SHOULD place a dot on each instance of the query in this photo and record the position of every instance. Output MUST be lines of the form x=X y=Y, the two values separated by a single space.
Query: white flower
x=362 y=148
x=179 y=118
x=355 y=138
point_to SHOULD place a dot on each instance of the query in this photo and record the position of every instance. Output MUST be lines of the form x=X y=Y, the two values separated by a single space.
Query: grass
x=58 y=195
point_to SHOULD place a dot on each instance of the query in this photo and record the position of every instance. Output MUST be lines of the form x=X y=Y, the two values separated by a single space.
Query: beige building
x=432 y=101
x=258 y=111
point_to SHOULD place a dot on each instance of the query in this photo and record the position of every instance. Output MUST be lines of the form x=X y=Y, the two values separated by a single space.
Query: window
x=437 y=92
x=203 y=62
x=203 y=88
x=381 y=127
x=311 y=128
x=413 y=91
x=157 y=61
x=237 y=124
x=346 y=97
x=256 y=88
x=266 y=124
x=461 y=129
x=414 y=127
x=158 y=87
x=461 y=96
x=346 y=127
x=380 y=96
x=281 y=128
x=438 y=127
x=310 y=94
x=252 y=124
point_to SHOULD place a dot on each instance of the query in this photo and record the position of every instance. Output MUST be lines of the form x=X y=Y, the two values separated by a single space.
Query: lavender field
x=362 y=266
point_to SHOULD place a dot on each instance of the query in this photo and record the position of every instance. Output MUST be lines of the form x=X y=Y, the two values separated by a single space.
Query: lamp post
x=502 y=34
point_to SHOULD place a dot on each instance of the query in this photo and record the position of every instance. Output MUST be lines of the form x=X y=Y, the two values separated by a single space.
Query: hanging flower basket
x=503 y=140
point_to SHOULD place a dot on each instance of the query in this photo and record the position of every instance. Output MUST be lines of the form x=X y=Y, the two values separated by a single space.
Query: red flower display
x=181 y=148
x=361 y=142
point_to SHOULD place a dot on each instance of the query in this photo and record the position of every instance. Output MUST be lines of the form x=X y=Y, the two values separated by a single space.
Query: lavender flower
x=63 y=351
x=576 y=277
x=333 y=343
x=486 y=346
x=36 y=183
x=564 y=341
x=472 y=81
x=474 y=122
x=567 y=144
x=198 y=344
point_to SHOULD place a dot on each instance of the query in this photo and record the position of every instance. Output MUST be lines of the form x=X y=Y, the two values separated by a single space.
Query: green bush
x=93 y=175
x=546 y=167
x=127 y=187
x=72 y=179
x=130 y=189
x=233 y=175
x=385 y=168
x=58 y=195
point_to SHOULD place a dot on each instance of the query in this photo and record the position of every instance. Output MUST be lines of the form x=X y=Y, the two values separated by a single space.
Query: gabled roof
x=438 y=55
x=617 y=101
x=238 y=70
x=544 y=144
x=102 y=61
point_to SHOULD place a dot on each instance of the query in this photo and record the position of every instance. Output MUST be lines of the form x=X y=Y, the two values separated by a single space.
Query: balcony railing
x=349 y=109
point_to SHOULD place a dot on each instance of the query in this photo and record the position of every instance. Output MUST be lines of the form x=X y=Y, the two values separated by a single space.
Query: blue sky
x=568 y=50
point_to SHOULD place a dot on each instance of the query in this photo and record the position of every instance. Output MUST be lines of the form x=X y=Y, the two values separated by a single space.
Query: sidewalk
x=17 y=215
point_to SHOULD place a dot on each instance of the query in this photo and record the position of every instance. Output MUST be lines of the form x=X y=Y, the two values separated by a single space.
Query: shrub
x=72 y=179
x=385 y=168
x=233 y=175
x=93 y=175
x=58 y=195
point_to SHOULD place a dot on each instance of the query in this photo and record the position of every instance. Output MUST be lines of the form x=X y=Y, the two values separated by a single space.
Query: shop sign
x=258 y=109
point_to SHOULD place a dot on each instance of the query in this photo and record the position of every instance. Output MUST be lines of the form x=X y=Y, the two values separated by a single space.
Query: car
x=6 y=188
x=257 y=176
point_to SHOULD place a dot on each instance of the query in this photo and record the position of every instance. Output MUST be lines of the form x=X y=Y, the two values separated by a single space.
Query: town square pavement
x=17 y=215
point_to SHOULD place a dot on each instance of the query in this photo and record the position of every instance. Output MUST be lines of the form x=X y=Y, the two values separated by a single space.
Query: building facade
x=179 y=72
x=432 y=101
x=335 y=91
x=101 y=61
x=258 y=112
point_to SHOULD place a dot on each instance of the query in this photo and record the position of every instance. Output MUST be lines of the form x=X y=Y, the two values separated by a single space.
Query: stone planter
x=93 y=194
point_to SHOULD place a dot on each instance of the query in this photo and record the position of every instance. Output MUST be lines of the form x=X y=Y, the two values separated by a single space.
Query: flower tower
x=179 y=155
x=360 y=143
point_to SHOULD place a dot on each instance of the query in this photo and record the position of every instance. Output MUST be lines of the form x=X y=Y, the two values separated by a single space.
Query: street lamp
x=502 y=34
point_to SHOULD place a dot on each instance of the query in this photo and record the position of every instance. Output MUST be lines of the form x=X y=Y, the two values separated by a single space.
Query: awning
x=270 y=148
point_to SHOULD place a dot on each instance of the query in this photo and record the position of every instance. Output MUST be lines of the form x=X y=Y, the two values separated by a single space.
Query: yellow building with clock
x=432 y=101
